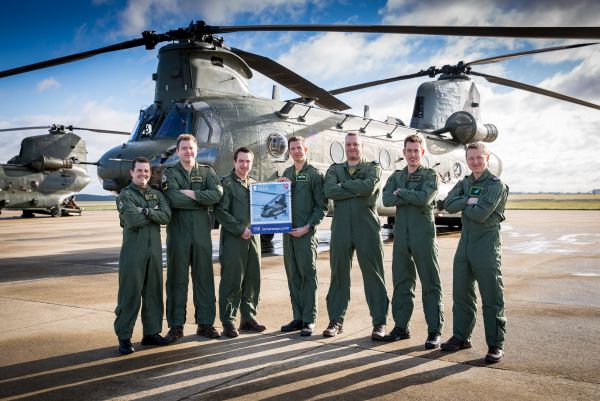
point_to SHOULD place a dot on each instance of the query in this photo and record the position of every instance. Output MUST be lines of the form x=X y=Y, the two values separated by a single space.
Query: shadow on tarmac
x=245 y=366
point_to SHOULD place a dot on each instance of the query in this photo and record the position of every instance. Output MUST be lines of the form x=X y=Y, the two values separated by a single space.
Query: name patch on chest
x=475 y=191
x=415 y=178
x=196 y=178
x=302 y=177
x=151 y=197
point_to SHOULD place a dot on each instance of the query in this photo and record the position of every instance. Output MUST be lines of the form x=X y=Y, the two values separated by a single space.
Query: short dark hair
x=187 y=138
x=295 y=139
x=478 y=145
x=414 y=138
x=243 y=149
x=139 y=159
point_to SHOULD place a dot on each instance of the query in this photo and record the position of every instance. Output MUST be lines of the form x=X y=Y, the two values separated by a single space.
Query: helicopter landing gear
x=27 y=214
x=55 y=212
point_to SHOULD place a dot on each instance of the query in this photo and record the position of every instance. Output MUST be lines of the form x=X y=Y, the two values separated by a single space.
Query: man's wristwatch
x=145 y=211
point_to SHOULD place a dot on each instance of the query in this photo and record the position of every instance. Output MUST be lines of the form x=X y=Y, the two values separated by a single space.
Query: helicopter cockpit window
x=145 y=124
x=385 y=159
x=216 y=129
x=176 y=123
x=277 y=145
x=202 y=130
x=336 y=151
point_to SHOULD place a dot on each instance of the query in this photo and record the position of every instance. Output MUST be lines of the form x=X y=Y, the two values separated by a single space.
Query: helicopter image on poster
x=202 y=88
x=47 y=173
x=274 y=207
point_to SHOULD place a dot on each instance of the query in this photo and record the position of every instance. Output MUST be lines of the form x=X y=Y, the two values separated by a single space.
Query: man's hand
x=299 y=232
x=189 y=193
x=283 y=179
x=247 y=234
x=472 y=201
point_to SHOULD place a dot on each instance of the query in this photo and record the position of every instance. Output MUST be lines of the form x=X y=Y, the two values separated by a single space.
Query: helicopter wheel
x=55 y=212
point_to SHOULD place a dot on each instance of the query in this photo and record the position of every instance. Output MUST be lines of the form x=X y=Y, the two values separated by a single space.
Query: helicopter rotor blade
x=62 y=128
x=25 y=128
x=290 y=79
x=483 y=31
x=526 y=53
x=102 y=131
x=346 y=89
x=73 y=57
x=534 y=89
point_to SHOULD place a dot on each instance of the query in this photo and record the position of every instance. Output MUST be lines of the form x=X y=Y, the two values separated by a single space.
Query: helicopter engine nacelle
x=465 y=129
x=51 y=163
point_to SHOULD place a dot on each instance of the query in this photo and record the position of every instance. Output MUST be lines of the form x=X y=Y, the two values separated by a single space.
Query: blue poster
x=271 y=207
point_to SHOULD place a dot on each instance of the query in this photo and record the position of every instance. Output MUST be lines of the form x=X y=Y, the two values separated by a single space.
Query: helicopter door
x=274 y=149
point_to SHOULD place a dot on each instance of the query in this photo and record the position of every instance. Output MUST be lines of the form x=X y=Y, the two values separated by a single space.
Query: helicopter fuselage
x=202 y=89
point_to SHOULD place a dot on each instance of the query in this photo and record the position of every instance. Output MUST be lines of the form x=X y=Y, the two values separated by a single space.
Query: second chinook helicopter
x=202 y=88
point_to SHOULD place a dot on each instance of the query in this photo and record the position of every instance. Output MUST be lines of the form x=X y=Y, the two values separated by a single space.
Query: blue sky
x=545 y=144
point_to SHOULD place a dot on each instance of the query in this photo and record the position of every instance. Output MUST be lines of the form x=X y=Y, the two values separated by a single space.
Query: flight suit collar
x=418 y=170
x=304 y=167
x=356 y=166
x=185 y=173
x=137 y=189
x=484 y=176
x=243 y=183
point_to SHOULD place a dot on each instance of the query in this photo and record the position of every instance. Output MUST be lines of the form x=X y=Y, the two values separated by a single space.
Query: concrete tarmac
x=58 y=290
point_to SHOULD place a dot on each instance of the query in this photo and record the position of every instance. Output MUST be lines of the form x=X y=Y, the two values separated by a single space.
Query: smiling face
x=140 y=175
x=243 y=164
x=477 y=160
x=353 y=148
x=187 y=150
x=298 y=151
x=413 y=152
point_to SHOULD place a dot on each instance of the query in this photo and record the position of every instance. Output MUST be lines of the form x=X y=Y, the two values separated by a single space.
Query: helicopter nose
x=110 y=171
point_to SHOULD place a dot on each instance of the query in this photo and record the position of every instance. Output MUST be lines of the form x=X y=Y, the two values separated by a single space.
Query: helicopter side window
x=385 y=159
x=216 y=129
x=202 y=130
x=336 y=151
x=277 y=145
x=176 y=123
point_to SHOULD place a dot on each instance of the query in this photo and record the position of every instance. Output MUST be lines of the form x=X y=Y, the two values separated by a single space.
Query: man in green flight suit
x=413 y=191
x=300 y=245
x=481 y=198
x=239 y=251
x=192 y=189
x=354 y=187
x=141 y=212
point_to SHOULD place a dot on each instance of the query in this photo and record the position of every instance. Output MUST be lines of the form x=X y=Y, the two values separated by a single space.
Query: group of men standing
x=190 y=189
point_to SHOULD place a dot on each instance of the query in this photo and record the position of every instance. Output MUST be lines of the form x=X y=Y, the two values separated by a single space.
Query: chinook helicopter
x=47 y=173
x=202 y=88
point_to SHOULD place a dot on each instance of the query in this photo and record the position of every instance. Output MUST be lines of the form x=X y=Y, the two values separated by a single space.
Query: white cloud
x=140 y=15
x=48 y=83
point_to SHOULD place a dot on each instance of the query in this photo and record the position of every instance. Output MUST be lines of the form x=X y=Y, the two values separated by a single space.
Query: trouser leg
x=338 y=295
x=370 y=259
x=292 y=272
x=203 y=281
x=232 y=260
x=251 y=281
x=152 y=298
x=489 y=278
x=131 y=281
x=403 y=277
x=431 y=287
x=463 y=295
x=178 y=262
x=306 y=256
